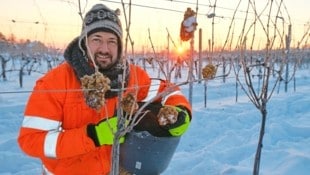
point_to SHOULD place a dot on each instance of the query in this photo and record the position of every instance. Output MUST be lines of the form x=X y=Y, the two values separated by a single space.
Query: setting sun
x=180 y=50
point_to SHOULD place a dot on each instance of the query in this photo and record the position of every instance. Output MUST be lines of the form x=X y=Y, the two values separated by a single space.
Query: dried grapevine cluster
x=94 y=87
x=129 y=103
x=209 y=71
x=167 y=115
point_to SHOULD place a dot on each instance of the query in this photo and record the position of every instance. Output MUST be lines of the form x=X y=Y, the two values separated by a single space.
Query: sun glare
x=180 y=50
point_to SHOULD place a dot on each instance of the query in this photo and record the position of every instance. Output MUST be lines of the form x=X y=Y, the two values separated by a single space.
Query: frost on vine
x=94 y=87
x=167 y=115
x=209 y=71
x=129 y=104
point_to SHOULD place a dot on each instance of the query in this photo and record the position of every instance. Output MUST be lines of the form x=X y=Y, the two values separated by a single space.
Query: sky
x=56 y=22
x=221 y=139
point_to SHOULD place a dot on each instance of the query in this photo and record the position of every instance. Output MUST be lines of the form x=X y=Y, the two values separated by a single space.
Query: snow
x=222 y=137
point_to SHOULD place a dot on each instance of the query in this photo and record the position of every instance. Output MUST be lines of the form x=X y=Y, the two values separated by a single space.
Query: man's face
x=103 y=47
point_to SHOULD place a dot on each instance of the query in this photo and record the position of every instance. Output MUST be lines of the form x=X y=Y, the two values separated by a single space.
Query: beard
x=104 y=60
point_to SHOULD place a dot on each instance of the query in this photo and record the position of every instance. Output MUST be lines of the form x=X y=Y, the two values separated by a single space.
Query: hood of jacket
x=75 y=56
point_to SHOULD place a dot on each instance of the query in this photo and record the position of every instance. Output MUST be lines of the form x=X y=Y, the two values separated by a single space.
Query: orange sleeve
x=41 y=134
x=149 y=88
x=175 y=97
x=139 y=82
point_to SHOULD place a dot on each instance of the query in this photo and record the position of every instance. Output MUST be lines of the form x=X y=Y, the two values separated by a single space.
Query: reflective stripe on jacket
x=56 y=116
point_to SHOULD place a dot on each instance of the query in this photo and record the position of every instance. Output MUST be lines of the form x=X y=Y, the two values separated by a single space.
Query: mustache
x=103 y=54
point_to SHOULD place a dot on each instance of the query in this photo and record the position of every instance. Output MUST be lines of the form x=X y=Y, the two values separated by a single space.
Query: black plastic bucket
x=145 y=154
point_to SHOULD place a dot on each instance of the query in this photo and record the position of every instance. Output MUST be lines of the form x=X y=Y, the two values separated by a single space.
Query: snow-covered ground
x=221 y=140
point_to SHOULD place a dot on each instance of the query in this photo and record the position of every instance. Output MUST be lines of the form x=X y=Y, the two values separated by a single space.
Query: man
x=63 y=128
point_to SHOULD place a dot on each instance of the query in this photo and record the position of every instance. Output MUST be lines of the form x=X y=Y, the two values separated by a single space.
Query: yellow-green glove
x=175 y=119
x=102 y=133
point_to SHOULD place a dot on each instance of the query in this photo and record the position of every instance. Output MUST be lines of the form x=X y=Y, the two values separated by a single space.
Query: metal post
x=190 y=76
x=288 y=42
x=199 y=55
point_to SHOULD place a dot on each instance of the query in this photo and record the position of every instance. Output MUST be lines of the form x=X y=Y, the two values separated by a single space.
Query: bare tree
x=3 y=66
x=261 y=68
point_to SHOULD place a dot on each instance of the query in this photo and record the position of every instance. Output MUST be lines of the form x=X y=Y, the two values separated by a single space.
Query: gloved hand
x=175 y=119
x=103 y=132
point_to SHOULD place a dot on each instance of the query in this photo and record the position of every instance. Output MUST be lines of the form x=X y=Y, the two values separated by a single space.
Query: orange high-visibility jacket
x=56 y=116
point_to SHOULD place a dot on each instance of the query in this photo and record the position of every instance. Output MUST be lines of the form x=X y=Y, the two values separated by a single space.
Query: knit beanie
x=101 y=18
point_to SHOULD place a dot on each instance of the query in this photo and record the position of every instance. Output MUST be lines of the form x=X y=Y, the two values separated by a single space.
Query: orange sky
x=59 y=22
